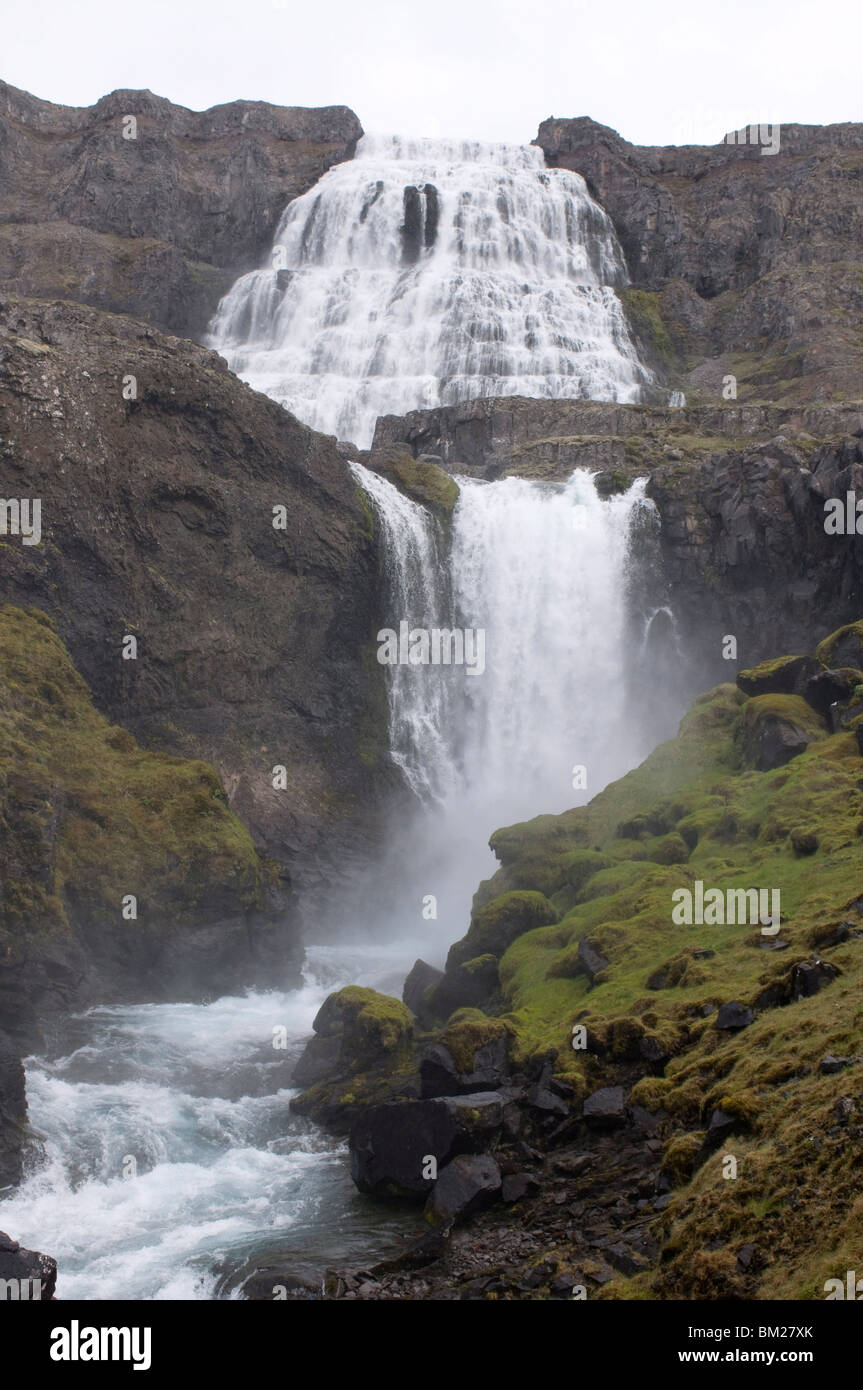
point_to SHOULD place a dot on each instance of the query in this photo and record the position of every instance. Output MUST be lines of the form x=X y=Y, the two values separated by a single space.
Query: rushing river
x=227 y=1178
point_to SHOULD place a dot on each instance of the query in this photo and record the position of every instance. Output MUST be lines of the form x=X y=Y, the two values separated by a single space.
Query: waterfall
x=542 y=569
x=428 y=272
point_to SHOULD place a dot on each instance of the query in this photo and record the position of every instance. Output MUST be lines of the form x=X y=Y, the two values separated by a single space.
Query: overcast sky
x=660 y=73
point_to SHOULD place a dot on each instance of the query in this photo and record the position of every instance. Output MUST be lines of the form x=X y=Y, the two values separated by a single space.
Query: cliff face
x=158 y=524
x=124 y=873
x=742 y=262
x=739 y=489
x=158 y=225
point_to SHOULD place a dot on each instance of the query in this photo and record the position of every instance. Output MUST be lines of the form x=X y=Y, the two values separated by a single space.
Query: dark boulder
x=789 y=675
x=390 y=1145
x=516 y=1186
x=606 y=1108
x=421 y=977
x=810 y=977
x=467 y=1184
x=28 y=1274
x=355 y=1029
x=734 y=1016
x=489 y=1070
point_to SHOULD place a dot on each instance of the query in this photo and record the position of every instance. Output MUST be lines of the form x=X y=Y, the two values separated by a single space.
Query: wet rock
x=467 y=1184
x=440 y=1075
x=720 y=1128
x=390 y=1144
x=734 y=1016
x=421 y=977
x=355 y=1029
x=605 y=1109
x=28 y=1272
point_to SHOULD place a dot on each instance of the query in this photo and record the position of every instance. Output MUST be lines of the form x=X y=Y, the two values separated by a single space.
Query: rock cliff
x=154 y=219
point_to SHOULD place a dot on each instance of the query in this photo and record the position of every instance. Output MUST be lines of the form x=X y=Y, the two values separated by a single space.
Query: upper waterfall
x=427 y=272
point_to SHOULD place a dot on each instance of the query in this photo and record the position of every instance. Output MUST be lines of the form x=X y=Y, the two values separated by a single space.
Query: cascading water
x=417 y=274
x=544 y=570
x=424 y=273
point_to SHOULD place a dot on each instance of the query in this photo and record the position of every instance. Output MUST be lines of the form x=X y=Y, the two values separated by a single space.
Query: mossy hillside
x=664 y=982
x=89 y=817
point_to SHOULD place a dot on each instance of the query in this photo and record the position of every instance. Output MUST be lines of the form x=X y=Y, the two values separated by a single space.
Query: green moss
x=826 y=650
x=496 y=925
x=90 y=817
x=376 y=1022
x=420 y=480
x=464 y=1036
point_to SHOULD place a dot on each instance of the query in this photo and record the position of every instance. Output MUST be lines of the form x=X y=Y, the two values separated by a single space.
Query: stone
x=420 y=978
x=27 y=1266
x=519 y=1185
x=467 y=1184
x=389 y=1144
x=830 y=1065
x=605 y=1109
x=440 y=1076
x=810 y=977
x=590 y=959
x=734 y=1016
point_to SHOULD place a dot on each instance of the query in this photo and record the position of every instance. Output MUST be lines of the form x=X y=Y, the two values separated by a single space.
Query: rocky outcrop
x=123 y=874
x=184 y=511
x=743 y=262
x=155 y=219
x=740 y=493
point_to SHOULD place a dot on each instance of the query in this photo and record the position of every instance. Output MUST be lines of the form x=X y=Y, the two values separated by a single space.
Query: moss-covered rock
x=494 y=927
x=355 y=1029
x=786 y=675
x=777 y=728
x=421 y=480
x=844 y=647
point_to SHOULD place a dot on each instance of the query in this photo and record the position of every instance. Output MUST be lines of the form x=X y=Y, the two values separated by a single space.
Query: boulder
x=355 y=1029
x=734 y=1016
x=442 y=1075
x=788 y=675
x=390 y=1144
x=606 y=1108
x=28 y=1270
x=810 y=977
x=421 y=977
x=777 y=728
x=468 y=985
x=517 y=1186
x=467 y=1184
x=496 y=925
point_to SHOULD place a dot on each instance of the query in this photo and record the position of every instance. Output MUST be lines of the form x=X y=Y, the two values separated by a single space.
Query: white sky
x=665 y=72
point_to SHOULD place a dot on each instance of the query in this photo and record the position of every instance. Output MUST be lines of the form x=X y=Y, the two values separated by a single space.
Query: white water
x=226 y=1177
x=514 y=295
x=546 y=570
